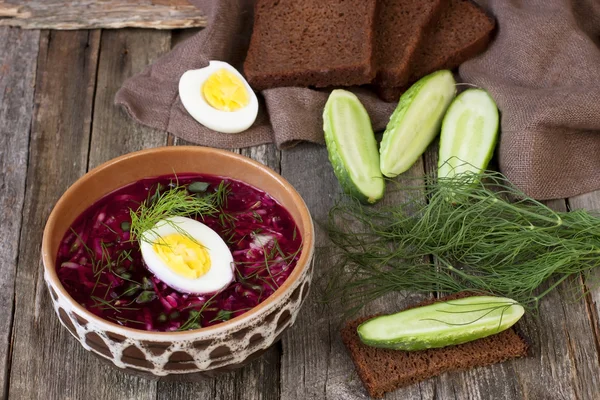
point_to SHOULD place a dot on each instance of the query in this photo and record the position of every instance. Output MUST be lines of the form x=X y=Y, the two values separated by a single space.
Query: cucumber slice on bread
x=352 y=146
x=415 y=122
x=469 y=134
x=441 y=324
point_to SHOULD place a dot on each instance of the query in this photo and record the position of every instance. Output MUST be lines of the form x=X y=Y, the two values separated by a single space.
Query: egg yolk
x=184 y=256
x=225 y=91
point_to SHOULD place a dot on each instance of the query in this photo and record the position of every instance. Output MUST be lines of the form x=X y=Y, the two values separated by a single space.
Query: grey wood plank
x=18 y=60
x=47 y=361
x=590 y=201
x=315 y=363
x=260 y=379
x=124 y=53
x=86 y=14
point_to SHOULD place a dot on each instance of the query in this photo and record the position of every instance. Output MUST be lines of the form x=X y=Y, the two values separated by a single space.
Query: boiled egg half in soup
x=219 y=98
x=187 y=255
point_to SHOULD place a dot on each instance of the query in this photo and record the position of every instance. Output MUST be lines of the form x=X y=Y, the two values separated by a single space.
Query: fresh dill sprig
x=177 y=201
x=482 y=233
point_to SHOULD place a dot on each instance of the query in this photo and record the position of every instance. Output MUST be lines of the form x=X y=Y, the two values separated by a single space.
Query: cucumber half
x=441 y=324
x=469 y=134
x=416 y=121
x=352 y=146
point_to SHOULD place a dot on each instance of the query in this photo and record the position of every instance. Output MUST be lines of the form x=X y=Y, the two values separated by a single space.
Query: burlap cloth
x=543 y=69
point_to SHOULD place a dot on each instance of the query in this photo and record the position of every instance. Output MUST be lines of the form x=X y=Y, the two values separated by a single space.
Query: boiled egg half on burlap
x=218 y=97
x=187 y=255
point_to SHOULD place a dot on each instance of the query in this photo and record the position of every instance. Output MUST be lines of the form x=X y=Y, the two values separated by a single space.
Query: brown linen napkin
x=543 y=70
x=286 y=116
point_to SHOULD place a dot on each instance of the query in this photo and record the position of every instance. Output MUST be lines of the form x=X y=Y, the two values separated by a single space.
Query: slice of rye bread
x=400 y=28
x=462 y=31
x=384 y=370
x=311 y=43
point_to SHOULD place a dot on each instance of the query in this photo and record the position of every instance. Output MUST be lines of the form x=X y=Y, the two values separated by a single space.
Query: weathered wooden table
x=57 y=120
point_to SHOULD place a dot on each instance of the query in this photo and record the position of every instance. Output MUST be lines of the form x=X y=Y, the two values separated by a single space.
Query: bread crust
x=400 y=29
x=311 y=43
x=385 y=370
x=437 y=53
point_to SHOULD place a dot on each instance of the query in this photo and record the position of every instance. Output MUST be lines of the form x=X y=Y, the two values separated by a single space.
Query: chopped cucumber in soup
x=416 y=121
x=469 y=134
x=352 y=146
x=441 y=324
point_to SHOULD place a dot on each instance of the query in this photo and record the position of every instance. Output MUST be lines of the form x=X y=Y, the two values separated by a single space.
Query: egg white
x=218 y=276
x=190 y=93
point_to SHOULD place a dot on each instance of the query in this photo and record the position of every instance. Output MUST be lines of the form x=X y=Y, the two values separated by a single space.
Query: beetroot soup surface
x=109 y=278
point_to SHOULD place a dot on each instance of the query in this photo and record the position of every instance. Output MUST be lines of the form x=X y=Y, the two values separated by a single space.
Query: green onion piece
x=126 y=226
x=132 y=288
x=174 y=315
x=162 y=317
x=224 y=315
x=145 y=297
x=147 y=284
x=198 y=187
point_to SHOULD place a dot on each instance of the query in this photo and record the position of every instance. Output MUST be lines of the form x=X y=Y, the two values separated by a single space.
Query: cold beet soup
x=174 y=253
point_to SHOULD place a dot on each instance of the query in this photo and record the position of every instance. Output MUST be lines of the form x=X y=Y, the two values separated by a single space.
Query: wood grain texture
x=58 y=156
x=124 y=53
x=591 y=201
x=315 y=364
x=91 y=14
x=18 y=60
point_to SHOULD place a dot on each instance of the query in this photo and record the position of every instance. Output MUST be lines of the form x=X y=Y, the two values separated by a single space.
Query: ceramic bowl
x=225 y=346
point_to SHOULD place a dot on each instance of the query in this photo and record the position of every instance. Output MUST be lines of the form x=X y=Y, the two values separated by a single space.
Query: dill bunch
x=483 y=235
x=171 y=202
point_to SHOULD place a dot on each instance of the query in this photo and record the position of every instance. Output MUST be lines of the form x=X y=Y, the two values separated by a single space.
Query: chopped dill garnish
x=257 y=216
x=193 y=321
x=175 y=202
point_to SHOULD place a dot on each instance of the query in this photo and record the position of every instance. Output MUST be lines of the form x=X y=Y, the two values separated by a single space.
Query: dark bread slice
x=384 y=370
x=311 y=43
x=400 y=28
x=462 y=31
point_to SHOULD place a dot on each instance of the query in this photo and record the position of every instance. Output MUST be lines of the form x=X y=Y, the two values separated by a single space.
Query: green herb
x=145 y=297
x=174 y=202
x=131 y=289
x=492 y=241
x=193 y=321
x=126 y=226
x=109 y=228
x=257 y=216
x=198 y=187
x=147 y=284
x=89 y=251
x=222 y=315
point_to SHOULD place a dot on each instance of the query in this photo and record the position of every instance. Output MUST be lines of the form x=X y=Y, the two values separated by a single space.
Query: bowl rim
x=304 y=262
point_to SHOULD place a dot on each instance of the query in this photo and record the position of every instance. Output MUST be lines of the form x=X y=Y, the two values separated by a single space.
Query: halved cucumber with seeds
x=441 y=324
x=416 y=122
x=469 y=134
x=352 y=146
